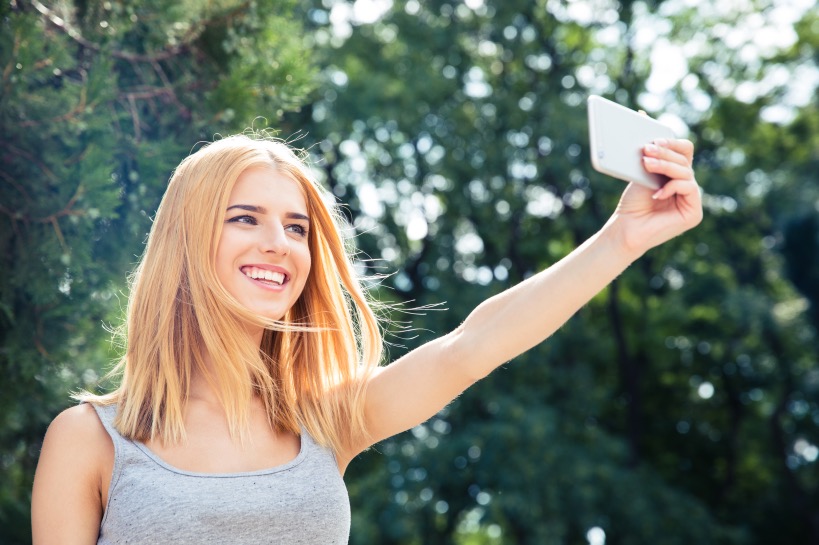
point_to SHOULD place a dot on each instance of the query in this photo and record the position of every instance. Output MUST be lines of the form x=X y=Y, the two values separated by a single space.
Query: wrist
x=622 y=245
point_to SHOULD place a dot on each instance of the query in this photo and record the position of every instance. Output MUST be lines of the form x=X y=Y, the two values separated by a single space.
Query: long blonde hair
x=312 y=366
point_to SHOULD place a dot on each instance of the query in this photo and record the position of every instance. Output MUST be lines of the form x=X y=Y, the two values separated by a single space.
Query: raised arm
x=421 y=383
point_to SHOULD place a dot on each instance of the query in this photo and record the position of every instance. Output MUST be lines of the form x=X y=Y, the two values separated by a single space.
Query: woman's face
x=263 y=259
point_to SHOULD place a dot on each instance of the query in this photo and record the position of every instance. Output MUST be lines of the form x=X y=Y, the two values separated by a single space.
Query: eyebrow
x=263 y=210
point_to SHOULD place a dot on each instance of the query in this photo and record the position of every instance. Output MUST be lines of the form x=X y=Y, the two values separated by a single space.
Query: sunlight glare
x=596 y=536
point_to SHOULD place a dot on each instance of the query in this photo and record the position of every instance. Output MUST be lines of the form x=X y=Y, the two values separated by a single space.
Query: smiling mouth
x=262 y=275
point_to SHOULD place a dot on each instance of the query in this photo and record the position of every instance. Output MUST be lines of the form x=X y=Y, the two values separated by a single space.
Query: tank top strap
x=123 y=447
x=125 y=451
x=310 y=447
x=106 y=414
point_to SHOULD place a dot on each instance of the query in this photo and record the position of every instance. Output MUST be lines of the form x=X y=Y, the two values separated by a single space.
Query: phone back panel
x=617 y=136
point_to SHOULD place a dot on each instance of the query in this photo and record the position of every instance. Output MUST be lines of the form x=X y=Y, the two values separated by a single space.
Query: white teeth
x=263 y=274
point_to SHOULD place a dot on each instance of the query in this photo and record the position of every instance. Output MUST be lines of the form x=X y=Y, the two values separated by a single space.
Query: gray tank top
x=302 y=502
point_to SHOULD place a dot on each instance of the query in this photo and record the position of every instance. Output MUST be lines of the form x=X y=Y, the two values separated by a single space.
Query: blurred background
x=680 y=406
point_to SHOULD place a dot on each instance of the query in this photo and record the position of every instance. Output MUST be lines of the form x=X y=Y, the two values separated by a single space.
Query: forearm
x=523 y=316
x=420 y=383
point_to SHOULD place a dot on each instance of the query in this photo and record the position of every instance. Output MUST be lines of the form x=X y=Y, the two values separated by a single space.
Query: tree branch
x=26 y=155
x=172 y=51
x=12 y=58
x=7 y=177
x=161 y=55
x=65 y=117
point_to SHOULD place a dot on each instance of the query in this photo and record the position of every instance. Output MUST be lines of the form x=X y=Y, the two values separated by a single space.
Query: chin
x=271 y=314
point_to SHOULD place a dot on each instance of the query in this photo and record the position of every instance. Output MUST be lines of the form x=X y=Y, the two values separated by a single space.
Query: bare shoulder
x=77 y=439
x=70 y=481
x=78 y=428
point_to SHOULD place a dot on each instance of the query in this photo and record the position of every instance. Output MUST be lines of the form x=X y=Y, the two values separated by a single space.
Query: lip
x=266 y=267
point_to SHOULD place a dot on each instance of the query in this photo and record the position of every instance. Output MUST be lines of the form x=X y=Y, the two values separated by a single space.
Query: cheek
x=224 y=260
x=306 y=265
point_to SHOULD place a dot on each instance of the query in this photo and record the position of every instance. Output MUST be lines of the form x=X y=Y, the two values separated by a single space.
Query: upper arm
x=67 y=498
x=415 y=387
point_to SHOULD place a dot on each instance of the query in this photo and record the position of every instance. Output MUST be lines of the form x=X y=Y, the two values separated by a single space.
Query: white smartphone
x=617 y=136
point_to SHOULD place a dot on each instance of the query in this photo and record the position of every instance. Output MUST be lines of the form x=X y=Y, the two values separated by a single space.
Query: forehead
x=267 y=186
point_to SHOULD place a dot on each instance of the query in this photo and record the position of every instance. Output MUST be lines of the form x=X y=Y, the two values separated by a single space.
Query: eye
x=298 y=229
x=249 y=220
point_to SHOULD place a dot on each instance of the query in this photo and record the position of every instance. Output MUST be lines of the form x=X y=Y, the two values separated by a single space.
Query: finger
x=687 y=200
x=666 y=154
x=680 y=145
x=673 y=170
x=683 y=188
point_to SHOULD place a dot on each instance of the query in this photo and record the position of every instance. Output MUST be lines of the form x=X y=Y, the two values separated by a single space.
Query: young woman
x=251 y=376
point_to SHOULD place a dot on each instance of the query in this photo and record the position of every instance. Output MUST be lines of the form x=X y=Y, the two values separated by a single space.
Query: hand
x=645 y=218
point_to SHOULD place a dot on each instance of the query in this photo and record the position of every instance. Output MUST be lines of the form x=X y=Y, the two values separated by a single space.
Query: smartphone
x=617 y=136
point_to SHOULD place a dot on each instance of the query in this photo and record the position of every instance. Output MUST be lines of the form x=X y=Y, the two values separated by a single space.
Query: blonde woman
x=251 y=375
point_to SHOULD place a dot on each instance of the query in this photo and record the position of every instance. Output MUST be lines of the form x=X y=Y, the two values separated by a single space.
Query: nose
x=276 y=241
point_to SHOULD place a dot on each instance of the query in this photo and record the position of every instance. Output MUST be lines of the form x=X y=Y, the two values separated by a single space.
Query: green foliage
x=680 y=405
x=98 y=103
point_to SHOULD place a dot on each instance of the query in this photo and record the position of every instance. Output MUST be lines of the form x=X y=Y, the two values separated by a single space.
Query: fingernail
x=661 y=142
x=651 y=148
x=650 y=160
x=658 y=194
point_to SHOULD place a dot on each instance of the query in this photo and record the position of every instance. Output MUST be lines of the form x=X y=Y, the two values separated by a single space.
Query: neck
x=203 y=390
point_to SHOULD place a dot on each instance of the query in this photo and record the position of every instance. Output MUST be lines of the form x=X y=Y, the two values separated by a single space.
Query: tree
x=679 y=405
x=98 y=103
